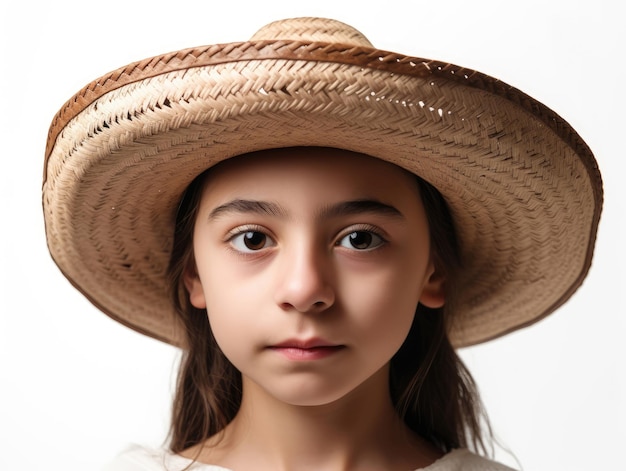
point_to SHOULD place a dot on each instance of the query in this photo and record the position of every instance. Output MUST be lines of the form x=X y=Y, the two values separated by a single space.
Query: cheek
x=219 y=295
x=227 y=305
x=384 y=305
x=234 y=304
x=228 y=325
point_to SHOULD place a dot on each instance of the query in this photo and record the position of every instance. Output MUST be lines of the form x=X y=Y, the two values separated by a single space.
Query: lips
x=308 y=349
x=305 y=344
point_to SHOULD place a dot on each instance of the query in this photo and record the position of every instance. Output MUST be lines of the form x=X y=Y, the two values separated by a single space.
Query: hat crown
x=309 y=29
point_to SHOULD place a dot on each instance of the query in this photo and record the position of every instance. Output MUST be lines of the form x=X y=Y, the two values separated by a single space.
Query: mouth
x=310 y=349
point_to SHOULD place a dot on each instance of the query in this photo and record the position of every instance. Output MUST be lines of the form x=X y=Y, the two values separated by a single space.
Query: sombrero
x=523 y=188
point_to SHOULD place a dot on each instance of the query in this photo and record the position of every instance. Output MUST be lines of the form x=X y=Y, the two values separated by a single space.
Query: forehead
x=308 y=166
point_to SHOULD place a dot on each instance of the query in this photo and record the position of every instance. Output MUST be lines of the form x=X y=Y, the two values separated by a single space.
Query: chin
x=311 y=393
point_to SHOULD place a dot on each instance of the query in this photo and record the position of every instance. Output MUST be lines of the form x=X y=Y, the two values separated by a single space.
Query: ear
x=433 y=293
x=194 y=287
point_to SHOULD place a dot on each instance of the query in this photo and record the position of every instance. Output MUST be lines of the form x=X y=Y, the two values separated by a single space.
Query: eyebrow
x=248 y=206
x=344 y=208
x=348 y=208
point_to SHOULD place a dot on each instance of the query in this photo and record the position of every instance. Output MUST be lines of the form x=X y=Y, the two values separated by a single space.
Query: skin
x=310 y=297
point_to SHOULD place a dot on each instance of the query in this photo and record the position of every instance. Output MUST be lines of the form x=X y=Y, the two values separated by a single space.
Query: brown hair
x=431 y=388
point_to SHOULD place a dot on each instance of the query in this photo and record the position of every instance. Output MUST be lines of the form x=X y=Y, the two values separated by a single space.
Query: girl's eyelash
x=243 y=229
x=368 y=228
x=246 y=228
x=364 y=228
x=244 y=240
x=354 y=228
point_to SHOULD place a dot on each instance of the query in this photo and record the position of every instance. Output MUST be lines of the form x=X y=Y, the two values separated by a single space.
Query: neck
x=359 y=430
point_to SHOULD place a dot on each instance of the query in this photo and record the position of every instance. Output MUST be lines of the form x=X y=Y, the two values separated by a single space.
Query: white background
x=75 y=387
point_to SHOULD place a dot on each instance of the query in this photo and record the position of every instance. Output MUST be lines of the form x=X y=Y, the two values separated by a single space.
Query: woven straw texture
x=524 y=189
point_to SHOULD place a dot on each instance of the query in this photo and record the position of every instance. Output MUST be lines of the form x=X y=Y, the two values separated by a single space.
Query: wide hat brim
x=523 y=188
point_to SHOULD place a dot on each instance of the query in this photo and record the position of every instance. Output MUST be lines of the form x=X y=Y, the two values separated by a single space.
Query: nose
x=305 y=281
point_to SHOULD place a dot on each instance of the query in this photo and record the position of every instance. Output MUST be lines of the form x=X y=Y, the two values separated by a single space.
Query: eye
x=251 y=241
x=361 y=240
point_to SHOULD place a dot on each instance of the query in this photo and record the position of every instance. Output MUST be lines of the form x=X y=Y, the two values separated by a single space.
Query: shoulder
x=465 y=460
x=140 y=458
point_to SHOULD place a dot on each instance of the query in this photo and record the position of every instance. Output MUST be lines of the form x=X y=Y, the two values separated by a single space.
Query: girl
x=317 y=224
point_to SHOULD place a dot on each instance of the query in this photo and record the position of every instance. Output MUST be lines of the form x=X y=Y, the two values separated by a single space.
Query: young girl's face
x=310 y=263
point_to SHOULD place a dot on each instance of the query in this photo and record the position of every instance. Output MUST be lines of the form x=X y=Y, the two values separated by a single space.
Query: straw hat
x=523 y=188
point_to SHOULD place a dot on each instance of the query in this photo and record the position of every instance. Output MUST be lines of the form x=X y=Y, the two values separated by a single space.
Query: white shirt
x=138 y=458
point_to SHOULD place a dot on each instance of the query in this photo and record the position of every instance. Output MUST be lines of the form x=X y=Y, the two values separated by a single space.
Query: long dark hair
x=432 y=390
